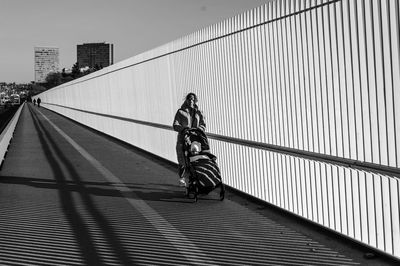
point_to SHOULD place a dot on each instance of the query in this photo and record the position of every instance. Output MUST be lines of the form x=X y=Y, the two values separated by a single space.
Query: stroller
x=203 y=171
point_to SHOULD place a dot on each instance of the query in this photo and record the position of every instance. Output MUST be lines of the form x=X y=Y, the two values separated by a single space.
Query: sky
x=133 y=26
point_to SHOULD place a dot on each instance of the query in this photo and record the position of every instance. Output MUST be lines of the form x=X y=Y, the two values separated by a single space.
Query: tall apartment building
x=95 y=54
x=46 y=61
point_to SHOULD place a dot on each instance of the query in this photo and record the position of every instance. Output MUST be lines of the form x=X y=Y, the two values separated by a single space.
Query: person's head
x=191 y=99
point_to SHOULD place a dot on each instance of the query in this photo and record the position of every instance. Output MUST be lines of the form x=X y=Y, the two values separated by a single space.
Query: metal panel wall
x=301 y=104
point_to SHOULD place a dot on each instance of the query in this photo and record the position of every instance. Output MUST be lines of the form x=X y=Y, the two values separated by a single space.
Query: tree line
x=55 y=79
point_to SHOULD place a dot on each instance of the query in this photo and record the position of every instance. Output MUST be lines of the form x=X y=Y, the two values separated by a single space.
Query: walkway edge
x=7 y=134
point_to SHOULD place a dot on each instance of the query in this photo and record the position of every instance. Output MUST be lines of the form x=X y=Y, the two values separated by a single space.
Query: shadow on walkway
x=81 y=232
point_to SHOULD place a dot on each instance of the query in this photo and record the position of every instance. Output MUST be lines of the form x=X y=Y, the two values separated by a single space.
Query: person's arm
x=177 y=125
x=202 y=123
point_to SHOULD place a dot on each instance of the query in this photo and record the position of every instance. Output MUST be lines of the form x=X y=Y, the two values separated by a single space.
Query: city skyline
x=133 y=26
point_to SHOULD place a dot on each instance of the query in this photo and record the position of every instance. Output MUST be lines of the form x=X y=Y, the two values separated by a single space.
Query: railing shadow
x=81 y=231
x=107 y=189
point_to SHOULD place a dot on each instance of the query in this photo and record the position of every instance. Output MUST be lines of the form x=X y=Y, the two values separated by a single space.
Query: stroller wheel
x=222 y=193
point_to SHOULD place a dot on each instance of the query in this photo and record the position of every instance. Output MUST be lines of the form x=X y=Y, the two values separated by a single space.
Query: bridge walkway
x=72 y=196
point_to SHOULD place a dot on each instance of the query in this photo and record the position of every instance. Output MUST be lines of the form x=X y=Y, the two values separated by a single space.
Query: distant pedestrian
x=34 y=102
x=38 y=102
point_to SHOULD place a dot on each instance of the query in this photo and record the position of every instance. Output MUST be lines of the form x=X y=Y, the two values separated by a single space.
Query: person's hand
x=185 y=131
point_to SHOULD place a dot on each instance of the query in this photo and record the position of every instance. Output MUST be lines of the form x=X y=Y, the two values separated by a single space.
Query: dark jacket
x=187 y=117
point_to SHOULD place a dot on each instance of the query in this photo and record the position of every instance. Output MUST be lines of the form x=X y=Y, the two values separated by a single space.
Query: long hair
x=192 y=94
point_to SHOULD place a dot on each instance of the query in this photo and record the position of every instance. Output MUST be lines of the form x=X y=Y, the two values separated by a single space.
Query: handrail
x=330 y=159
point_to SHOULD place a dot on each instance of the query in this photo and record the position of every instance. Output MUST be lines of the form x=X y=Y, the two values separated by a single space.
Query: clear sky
x=133 y=26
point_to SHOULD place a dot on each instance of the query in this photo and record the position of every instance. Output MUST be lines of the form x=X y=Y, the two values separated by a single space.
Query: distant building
x=94 y=55
x=46 y=61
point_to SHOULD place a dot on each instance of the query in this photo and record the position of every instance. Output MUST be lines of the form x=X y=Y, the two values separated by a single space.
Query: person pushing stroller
x=187 y=116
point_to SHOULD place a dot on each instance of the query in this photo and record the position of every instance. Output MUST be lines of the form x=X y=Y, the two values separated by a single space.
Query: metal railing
x=6 y=134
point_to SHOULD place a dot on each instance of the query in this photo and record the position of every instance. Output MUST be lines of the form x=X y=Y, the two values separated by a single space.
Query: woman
x=188 y=116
